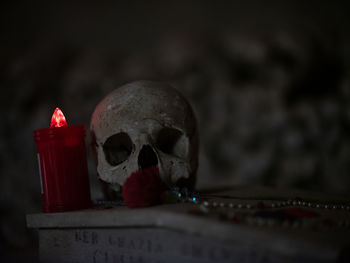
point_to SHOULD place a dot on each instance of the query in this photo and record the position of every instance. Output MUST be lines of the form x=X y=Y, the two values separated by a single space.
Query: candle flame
x=58 y=119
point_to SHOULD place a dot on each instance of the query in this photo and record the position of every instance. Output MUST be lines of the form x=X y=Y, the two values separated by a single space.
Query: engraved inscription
x=85 y=236
x=200 y=251
x=111 y=256
x=146 y=245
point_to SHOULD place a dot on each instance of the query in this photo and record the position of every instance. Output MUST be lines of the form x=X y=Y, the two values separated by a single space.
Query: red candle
x=62 y=166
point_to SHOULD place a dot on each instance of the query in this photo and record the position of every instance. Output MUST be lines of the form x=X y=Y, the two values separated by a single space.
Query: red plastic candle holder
x=63 y=168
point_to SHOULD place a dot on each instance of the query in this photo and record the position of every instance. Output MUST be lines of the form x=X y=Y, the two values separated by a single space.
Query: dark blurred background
x=269 y=82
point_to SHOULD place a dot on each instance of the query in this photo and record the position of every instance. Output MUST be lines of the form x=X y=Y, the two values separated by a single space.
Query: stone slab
x=178 y=233
x=161 y=245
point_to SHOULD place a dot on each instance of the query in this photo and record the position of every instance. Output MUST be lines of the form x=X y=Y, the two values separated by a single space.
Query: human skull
x=143 y=124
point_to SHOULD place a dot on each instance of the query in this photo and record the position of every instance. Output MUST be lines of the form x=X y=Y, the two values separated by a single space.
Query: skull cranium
x=143 y=124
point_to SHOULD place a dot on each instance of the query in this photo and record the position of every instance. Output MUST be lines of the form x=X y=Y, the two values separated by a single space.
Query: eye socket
x=117 y=148
x=172 y=141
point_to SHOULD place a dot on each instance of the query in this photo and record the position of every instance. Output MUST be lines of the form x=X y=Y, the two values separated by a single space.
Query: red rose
x=143 y=188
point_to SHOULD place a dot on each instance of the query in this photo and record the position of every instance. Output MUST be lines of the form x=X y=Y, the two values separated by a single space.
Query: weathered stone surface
x=162 y=245
x=184 y=233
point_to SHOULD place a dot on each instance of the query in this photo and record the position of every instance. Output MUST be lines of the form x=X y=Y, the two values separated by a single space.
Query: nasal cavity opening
x=147 y=157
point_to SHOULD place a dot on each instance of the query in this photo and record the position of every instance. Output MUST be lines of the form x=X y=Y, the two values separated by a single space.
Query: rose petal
x=143 y=188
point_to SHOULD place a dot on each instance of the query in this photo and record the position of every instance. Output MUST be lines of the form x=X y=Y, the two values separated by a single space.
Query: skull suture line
x=143 y=124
